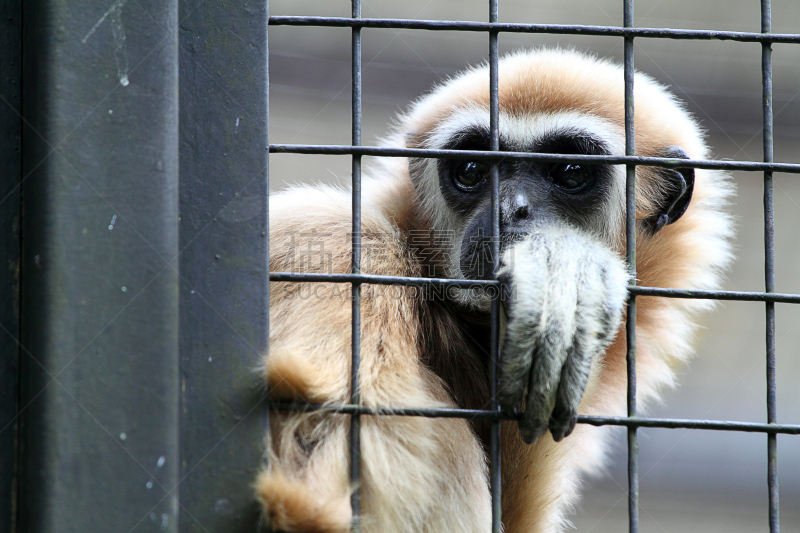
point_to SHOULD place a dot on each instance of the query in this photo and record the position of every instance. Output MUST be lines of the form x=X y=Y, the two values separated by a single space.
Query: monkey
x=564 y=284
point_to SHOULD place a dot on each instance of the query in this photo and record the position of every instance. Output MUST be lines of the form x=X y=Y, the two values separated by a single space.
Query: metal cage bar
x=630 y=248
x=266 y=282
x=637 y=290
x=355 y=396
x=769 y=265
x=556 y=29
x=478 y=414
x=379 y=151
x=494 y=133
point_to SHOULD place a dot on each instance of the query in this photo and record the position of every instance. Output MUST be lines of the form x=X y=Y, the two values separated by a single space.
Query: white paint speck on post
x=117 y=5
x=118 y=31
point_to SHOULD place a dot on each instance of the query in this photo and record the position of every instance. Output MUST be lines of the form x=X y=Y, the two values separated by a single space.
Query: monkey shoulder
x=310 y=233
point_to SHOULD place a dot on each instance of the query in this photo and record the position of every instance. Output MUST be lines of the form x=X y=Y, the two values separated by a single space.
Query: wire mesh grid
x=632 y=421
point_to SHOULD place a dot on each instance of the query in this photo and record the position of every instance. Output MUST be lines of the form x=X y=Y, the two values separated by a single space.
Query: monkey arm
x=417 y=474
x=563 y=296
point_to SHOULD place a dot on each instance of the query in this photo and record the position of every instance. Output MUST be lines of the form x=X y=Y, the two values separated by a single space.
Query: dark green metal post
x=10 y=132
x=99 y=285
x=223 y=260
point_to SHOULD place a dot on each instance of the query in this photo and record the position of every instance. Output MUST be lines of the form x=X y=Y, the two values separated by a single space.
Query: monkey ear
x=676 y=191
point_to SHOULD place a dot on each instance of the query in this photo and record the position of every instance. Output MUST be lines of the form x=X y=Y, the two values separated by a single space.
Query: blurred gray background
x=690 y=481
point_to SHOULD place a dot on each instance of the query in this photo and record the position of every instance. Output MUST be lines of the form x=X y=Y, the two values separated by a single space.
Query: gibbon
x=564 y=280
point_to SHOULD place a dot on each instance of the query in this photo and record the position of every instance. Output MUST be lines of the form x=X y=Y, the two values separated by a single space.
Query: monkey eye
x=470 y=173
x=572 y=177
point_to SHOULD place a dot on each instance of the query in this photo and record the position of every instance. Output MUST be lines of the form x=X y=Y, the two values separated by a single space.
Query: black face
x=530 y=192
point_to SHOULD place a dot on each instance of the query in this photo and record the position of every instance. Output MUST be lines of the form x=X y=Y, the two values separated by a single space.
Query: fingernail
x=531 y=434
x=560 y=431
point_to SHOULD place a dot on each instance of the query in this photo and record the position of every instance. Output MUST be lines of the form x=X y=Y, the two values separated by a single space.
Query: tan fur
x=291 y=376
x=292 y=507
x=430 y=475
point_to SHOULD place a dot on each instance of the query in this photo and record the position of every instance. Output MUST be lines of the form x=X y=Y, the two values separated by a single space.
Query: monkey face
x=531 y=194
x=551 y=102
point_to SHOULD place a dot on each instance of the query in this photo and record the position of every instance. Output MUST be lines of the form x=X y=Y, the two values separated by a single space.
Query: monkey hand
x=563 y=295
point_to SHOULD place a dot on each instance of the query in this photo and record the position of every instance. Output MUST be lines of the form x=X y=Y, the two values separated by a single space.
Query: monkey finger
x=542 y=397
x=548 y=360
x=564 y=271
x=538 y=405
x=601 y=293
x=574 y=377
x=523 y=302
x=515 y=358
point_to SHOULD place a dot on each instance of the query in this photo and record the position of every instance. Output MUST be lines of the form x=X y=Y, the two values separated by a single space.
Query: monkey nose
x=515 y=214
x=519 y=207
x=520 y=213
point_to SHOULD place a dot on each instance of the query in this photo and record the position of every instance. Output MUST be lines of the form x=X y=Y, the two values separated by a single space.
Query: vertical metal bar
x=265 y=339
x=10 y=132
x=630 y=234
x=769 y=266
x=99 y=318
x=223 y=264
x=355 y=396
x=494 y=127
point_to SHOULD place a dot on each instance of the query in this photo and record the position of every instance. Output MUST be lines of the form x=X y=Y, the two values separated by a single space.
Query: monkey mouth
x=477 y=254
x=508 y=238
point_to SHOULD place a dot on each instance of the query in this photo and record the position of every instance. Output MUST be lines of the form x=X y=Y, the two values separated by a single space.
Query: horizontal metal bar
x=563 y=29
x=423 y=282
x=379 y=280
x=380 y=151
x=683 y=423
x=717 y=295
x=478 y=414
